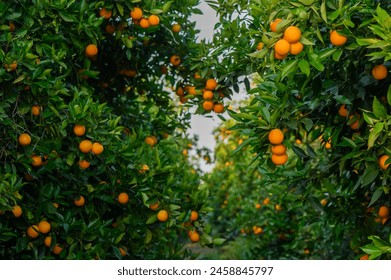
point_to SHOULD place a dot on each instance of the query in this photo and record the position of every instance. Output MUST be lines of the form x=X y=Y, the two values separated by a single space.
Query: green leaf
x=316 y=204
x=66 y=16
x=304 y=67
x=374 y=134
x=323 y=11
x=218 y=241
x=289 y=68
x=315 y=61
x=389 y=95
x=151 y=219
x=378 y=109
x=369 y=176
x=148 y=236
x=299 y=151
x=371 y=249
x=376 y=195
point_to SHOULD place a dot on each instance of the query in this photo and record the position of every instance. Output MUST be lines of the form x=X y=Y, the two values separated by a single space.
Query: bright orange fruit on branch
x=105 y=13
x=211 y=84
x=79 y=201
x=33 y=231
x=274 y=24
x=97 y=148
x=208 y=105
x=85 y=146
x=136 y=13
x=162 y=215
x=218 y=108
x=342 y=111
x=175 y=60
x=379 y=72
x=17 y=211
x=24 y=139
x=276 y=136
x=292 y=34
x=91 y=50
x=153 y=20
x=279 y=149
x=337 y=39
x=282 y=47
x=384 y=211
x=279 y=160
x=382 y=162
x=193 y=216
x=44 y=227
x=123 y=198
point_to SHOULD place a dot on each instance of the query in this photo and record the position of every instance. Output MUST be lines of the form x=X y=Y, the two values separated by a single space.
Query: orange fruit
x=274 y=24
x=208 y=105
x=355 y=125
x=278 y=56
x=136 y=13
x=144 y=168
x=266 y=201
x=17 y=211
x=279 y=149
x=47 y=241
x=85 y=146
x=105 y=13
x=37 y=160
x=194 y=236
x=193 y=216
x=382 y=162
x=154 y=206
x=33 y=231
x=151 y=140
x=292 y=34
x=298 y=141
x=296 y=48
x=44 y=227
x=323 y=201
x=277 y=207
x=342 y=111
x=83 y=164
x=379 y=72
x=207 y=94
x=185 y=152
x=279 y=160
x=197 y=76
x=180 y=91
x=258 y=206
x=79 y=201
x=57 y=249
x=276 y=137
x=175 y=60
x=153 y=20
x=24 y=139
x=337 y=39
x=97 y=148
x=260 y=46
x=364 y=257
x=123 y=198
x=218 y=108
x=36 y=110
x=327 y=145
x=211 y=84
x=191 y=90
x=110 y=29
x=91 y=50
x=384 y=211
x=144 y=23
x=282 y=47
x=176 y=28
x=162 y=215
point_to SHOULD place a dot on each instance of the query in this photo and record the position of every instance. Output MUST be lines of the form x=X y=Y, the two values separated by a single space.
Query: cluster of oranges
x=383 y=214
x=86 y=146
x=279 y=155
x=257 y=230
x=289 y=43
x=44 y=227
x=138 y=18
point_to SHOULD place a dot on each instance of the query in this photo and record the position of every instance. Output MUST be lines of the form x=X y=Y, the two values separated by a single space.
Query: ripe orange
x=279 y=160
x=185 y=152
x=110 y=29
x=47 y=241
x=91 y=50
x=24 y=139
x=151 y=140
x=144 y=23
x=194 y=236
x=97 y=148
x=105 y=13
x=218 y=108
x=296 y=48
x=85 y=146
x=176 y=28
x=379 y=72
x=79 y=201
x=355 y=125
x=162 y=215
x=36 y=110
x=180 y=91
x=33 y=231
x=44 y=227
x=17 y=211
x=37 y=160
x=136 y=13
x=175 y=60
x=384 y=211
x=258 y=206
x=278 y=56
x=382 y=162
x=364 y=257
x=197 y=76
x=144 y=168
x=193 y=216
x=191 y=90
x=274 y=24
x=208 y=105
x=327 y=145
x=276 y=136
x=277 y=207
x=292 y=34
x=83 y=164
x=123 y=198
x=260 y=46
x=282 y=47
x=266 y=201
x=154 y=206
x=342 y=111
x=211 y=84
x=279 y=150
x=207 y=94
x=153 y=20
x=57 y=249
x=337 y=39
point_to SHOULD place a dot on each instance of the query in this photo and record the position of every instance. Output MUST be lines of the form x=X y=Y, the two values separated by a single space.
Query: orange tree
x=322 y=81
x=91 y=140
